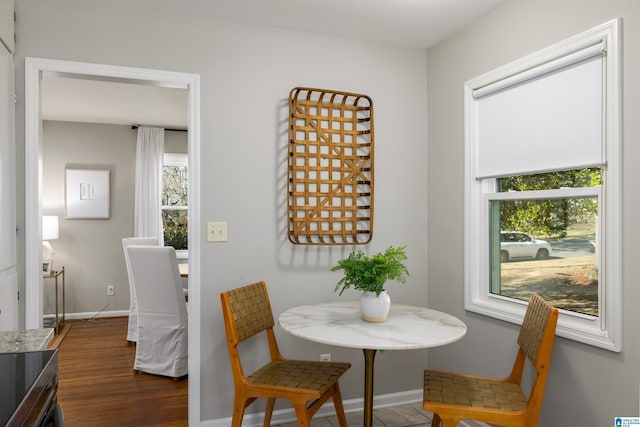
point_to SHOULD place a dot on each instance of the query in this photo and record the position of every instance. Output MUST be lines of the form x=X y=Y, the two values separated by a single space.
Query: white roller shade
x=543 y=119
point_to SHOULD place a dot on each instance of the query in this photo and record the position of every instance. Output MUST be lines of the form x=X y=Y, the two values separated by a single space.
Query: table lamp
x=49 y=232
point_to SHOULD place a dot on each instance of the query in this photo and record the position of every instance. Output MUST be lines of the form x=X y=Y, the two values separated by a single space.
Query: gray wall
x=91 y=250
x=587 y=386
x=246 y=75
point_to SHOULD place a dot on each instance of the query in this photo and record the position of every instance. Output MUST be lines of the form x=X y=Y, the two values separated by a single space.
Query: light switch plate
x=216 y=231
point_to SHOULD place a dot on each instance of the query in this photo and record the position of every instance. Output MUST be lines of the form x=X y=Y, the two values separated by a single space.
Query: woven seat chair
x=306 y=384
x=454 y=397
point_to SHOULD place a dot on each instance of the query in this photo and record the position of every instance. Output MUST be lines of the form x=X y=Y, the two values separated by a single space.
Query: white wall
x=587 y=386
x=246 y=75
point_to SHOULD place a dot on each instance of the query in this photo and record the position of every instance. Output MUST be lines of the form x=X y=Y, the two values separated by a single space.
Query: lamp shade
x=49 y=227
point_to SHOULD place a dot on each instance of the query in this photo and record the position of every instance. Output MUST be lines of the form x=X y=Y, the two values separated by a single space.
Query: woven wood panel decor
x=330 y=181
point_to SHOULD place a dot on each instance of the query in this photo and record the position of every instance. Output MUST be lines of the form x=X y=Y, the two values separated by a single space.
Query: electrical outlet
x=325 y=357
x=111 y=290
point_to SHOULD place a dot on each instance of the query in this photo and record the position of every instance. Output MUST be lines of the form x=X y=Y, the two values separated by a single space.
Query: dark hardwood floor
x=97 y=385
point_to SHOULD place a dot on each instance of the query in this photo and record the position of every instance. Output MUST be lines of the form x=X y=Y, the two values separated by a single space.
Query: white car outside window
x=516 y=245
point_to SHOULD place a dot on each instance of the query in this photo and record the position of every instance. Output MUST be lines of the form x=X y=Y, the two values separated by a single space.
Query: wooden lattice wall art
x=330 y=184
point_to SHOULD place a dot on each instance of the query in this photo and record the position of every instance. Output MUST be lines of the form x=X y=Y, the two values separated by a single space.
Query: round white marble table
x=340 y=324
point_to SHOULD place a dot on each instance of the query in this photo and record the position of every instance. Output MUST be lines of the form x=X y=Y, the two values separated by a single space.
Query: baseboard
x=283 y=416
x=96 y=315
x=353 y=405
x=470 y=423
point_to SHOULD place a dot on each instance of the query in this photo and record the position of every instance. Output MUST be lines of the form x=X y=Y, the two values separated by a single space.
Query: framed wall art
x=330 y=180
x=87 y=194
x=47 y=267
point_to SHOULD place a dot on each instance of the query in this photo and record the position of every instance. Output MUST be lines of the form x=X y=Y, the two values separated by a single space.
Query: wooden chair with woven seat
x=454 y=397
x=306 y=384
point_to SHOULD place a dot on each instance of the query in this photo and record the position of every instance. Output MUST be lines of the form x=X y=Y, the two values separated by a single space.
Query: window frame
x=603 y=331
x=176 y=159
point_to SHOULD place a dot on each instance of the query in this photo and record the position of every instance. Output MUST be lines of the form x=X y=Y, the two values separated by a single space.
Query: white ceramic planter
x=375 y=308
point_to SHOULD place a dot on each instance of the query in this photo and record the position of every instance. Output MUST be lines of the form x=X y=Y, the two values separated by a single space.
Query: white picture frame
x=87 y=194
x=47 y=267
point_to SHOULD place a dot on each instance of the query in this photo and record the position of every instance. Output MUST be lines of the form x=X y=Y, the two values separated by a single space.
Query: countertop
x=25 y=340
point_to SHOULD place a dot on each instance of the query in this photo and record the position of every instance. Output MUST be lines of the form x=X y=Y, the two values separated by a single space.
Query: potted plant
x=369 y=274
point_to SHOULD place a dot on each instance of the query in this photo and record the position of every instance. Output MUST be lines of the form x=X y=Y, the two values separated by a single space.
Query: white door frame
x=34 y=68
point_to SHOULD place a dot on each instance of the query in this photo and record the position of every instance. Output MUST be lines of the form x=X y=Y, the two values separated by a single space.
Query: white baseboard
x=353 y=405
x=96 y=315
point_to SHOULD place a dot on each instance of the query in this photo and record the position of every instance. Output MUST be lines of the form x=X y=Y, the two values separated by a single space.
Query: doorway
x=35 y=68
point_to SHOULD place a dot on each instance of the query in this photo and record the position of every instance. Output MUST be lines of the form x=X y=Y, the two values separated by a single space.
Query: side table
x=56 y=275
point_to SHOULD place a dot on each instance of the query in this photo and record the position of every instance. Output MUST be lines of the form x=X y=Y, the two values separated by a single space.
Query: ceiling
x=413 y=23
x=85 y=100
x=419 y=23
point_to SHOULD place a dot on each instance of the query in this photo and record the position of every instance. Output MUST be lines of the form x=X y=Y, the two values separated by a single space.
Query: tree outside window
x=175 y=201
x=547 y=245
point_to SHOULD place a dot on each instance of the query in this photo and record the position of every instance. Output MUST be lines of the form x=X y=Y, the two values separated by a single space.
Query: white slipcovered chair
x=132 y=331
x=162 y=311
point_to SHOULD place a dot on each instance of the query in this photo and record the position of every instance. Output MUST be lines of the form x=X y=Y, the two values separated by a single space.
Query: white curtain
x=148 y=186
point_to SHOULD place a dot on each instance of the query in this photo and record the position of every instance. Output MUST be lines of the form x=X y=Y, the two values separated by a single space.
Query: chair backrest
x=538 y=330
x=247 y=312
x=139 y=241
x=157 y=281
x=536 y=339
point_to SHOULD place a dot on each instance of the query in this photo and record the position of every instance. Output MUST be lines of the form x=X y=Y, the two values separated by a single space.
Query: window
x=542 y=187
x=175 y=202
x=555 y=255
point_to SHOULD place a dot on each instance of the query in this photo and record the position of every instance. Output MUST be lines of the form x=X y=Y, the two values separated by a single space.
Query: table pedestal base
x=369 y=356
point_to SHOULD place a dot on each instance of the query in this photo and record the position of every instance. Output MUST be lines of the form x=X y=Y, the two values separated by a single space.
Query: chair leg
x=269 y=411
x=302 y=414
x=436 y=421
x=337 y=404
x=238 y=412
